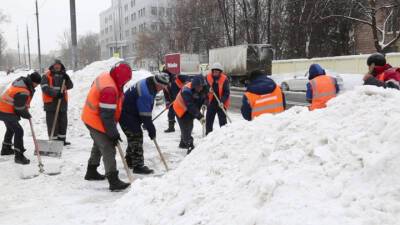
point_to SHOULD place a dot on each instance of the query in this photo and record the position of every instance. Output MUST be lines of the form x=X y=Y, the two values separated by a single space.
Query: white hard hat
x=217 y=66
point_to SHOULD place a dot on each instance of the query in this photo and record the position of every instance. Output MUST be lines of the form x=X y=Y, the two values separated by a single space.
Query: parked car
x=299 y=82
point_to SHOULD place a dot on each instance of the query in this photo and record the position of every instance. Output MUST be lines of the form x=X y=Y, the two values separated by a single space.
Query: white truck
x=240 y=60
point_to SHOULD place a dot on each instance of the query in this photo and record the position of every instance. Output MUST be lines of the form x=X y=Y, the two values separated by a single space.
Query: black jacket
x=20 y=100
x=58 y=78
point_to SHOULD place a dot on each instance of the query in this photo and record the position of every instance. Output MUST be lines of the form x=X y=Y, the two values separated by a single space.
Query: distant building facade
x=123 y=21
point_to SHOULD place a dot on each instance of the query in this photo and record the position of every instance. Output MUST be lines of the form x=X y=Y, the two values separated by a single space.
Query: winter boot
x=190 y=148
x=92 y=174
x=142 y=170
x=7 y=149
x=171 y=127
x=19 y=158
x=66 y=143
x=128 y=161
x=115 y=183
x=183 y=145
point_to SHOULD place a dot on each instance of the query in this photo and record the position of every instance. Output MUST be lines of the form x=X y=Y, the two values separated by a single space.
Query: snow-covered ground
x=333 y=166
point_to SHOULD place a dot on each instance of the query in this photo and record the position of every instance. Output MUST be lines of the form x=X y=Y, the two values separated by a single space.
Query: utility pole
x=38 y=37
x=24 y=55
x=29 y=48
x=19 y=51
x=73 y=35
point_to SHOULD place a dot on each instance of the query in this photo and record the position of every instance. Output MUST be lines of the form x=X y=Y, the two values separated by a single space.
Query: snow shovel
x=128 y=172
x=222 y=108
x=161 y=155
x=203 y=125
x=161 y=113
x=53 y=148
x=40 y=164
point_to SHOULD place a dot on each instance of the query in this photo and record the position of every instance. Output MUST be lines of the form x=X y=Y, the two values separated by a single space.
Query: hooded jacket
x=260 y=85
x=53 y=90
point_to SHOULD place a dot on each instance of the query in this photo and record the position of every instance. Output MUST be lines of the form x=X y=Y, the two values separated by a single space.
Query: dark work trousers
x=186 y=126
x=212 y=110
x=134 y=151
x=61 y=125
x=102 y=147
x=15 y=130
x=171 y=114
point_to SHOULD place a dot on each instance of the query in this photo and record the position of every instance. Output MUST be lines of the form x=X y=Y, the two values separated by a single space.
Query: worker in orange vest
x=380 y=73
x=101 y=114
x=51 y=93
x=262 y=96
x=321 y=87
x=176 y=83
x=187 y=107
x=219 y=84
x=14 y=104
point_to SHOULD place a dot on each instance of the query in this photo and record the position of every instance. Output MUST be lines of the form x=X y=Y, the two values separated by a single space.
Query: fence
x=342 y=64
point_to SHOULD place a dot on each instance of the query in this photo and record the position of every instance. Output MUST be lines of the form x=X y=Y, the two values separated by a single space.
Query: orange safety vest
x=48 y=98
x=179 y=104
x=91 y=110
x=381 y=77
x=7 y=99
x=324 y=89
x=221 y=82
x=268 y=103
x=179 y=83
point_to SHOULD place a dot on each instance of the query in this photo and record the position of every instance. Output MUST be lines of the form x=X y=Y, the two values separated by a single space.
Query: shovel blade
x=50 y=148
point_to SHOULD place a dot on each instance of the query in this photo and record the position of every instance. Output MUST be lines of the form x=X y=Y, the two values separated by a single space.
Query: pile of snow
x=339 y=165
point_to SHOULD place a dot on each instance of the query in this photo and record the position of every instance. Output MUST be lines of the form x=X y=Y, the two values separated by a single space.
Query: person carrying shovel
x=14 y=104
x=137 y=110
x=218 y=97
x=101 y=114
x=55 y=85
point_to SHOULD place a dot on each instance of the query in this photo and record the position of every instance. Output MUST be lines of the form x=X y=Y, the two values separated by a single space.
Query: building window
x=169 y=12
x=144 y=11
x=132 y=3
x=127 y=33
x=110 y=28
x=126 y=20
x=154 y=27
x=126 y=7
x=154 y=11
x=161 y=11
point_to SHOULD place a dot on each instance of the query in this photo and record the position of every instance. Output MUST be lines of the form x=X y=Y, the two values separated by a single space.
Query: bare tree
x=370 y=12
x=88 y=48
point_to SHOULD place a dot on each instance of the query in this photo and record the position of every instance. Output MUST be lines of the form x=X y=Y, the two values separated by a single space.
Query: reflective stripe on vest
x=47 y=98
x=221 y=81
x=7 y=99
x=269 y=103
x=179 y=103
x=324 y=89
x=91 y=110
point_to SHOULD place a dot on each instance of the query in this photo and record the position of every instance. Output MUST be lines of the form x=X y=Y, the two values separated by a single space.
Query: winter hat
x=35 y=77
x=198 y=81
x=377 y=58
x=57 y=61
x=255 y=74
x=121 y=73
x=217 y=66
x=314 y=71
x=161 y=79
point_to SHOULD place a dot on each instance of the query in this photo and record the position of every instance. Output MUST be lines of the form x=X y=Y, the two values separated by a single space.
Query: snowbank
x=334 y=166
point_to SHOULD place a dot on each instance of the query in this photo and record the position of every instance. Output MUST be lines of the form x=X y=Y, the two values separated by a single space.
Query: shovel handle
x=41 y=170
x=53 y=127
x=222 y=108
x=128 y=172
x=161 y=155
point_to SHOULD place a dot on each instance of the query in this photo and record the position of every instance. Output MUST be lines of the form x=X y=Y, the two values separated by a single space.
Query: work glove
x=26 y=115
x=221 y=105
x=115 y=140
x=60 y=95
x=152 y=135
x=202 y=119
x=67 y=78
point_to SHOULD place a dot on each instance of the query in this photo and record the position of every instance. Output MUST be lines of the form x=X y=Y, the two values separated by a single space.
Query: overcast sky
x=54 y=20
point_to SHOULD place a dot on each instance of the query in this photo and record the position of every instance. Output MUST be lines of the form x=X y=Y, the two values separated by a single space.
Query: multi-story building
x=121 y=23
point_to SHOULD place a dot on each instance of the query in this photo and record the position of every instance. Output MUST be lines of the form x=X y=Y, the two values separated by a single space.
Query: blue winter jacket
x=193 y=101
x=261 y=85
x=138 y=106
